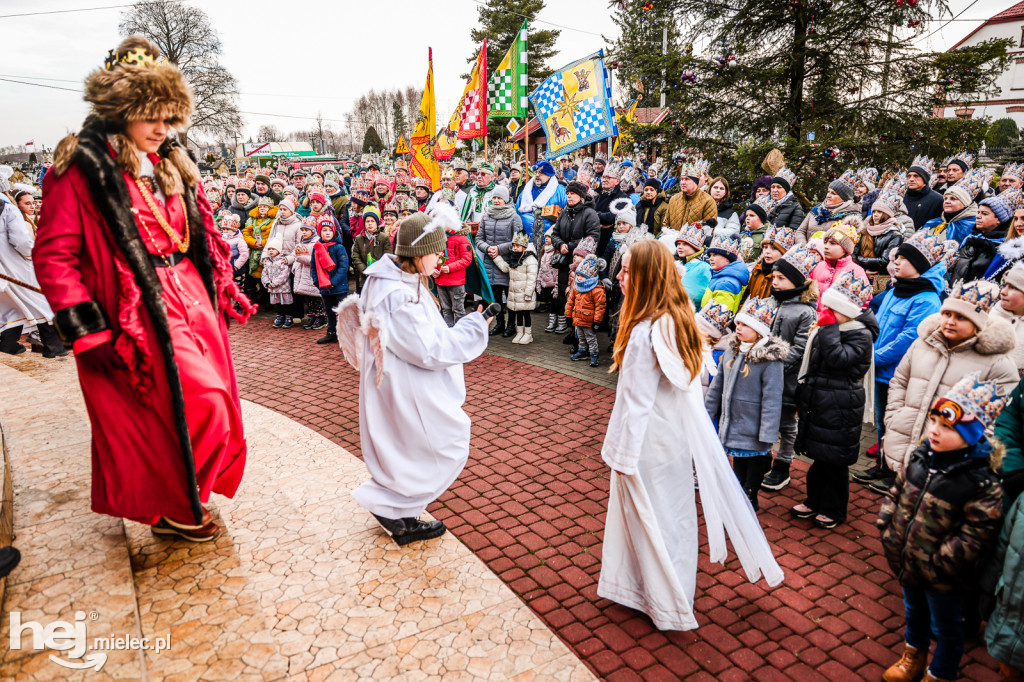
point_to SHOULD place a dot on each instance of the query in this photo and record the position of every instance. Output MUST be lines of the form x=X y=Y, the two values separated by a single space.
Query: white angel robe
x=658 y=432
x=413 y=430
x=19 y=306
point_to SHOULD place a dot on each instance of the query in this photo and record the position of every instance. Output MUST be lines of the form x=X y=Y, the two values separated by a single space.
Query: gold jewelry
x=178 y=243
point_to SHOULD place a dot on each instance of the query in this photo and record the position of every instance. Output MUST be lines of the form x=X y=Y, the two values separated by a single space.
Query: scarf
x=767 y=267
x=475 y=202
x=500 y=212
x=947 y=218
x=586 y=285
x=904 y=287
x=823 y=214
x=529 y=202
x=789 y=294
x=324 y=264
x=515 y=258
x=882 y=227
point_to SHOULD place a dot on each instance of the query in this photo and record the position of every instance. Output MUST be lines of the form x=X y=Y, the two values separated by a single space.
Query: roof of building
x=1009 y=14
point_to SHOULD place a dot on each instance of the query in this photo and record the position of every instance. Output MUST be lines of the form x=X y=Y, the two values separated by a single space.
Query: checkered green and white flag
x=506 y=90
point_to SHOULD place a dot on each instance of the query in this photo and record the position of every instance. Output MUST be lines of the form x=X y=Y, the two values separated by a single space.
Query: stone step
x=302 y=584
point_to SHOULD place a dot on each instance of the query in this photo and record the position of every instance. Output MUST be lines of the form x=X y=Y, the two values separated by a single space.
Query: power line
x=85 y=9
x=40 y=85
x=953 y=18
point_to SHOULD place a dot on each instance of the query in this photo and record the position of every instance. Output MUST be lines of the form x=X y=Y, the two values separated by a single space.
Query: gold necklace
x=176 y=241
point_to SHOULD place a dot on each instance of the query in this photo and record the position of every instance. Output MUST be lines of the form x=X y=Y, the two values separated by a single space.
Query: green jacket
x=1004 y=633
x=1009 y=431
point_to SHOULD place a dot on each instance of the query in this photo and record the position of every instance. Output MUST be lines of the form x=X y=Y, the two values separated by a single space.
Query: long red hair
x=655 y=289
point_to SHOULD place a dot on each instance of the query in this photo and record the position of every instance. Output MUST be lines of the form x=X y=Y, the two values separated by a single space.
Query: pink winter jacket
x=547 y=276
x=824 y=273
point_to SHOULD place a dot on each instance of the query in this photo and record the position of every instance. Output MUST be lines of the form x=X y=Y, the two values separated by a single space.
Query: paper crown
x=759 y=314
x=924 y=163
x=632 y=176
x=401 y=164
x=421 y=182
x=318 y=168
x=692 y=235
x=766 y=202
x=803 y=259
x=590 y=266
x=856 y=289
x=981 y=293
x=945 y=162
x=586 y=246
x=967 y=159
x=889 y=202
x=601 y=157
x=868 y=176
x=383 y=180
x=265 y=201
x=246 y=184
x=694 y=168
x=897 y=183
x=1014 y=169
x=725 y=245
x=781 y=236
x=787 y=175
x=520 y=238
x=848 y=178
x=390 y=207
x=132 y=58
x=1014 y=198
x=979 y=399
x=310 y=222
x=613 y=170
x=410 y=204
x=932 y=246
x=975 y=181
x=718 y=316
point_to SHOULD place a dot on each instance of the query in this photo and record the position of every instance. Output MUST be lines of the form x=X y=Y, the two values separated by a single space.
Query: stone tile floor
x=302 y=585
x=531 y=504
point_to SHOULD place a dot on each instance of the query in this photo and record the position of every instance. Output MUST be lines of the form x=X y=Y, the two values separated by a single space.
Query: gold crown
x=134 y=57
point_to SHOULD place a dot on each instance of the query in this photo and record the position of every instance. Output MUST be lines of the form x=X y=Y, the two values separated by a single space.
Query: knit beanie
x=276 y=243
x=290 y=203
x=970 y=406
x=500 y=192
x=796 y=264
x=265 y=179
x=844 y=186
x=653 y=182
x=1015 y=277
x=844 y=233
x=848 y=295
x=972 y=300
x=961 y=193
x=317 y=196
x=414 y=238
x=577 y=188
x=372 y=212
x=1001 y=210
x=544 y=167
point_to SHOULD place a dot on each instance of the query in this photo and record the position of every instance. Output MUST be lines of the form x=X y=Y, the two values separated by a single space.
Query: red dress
x=138 y=470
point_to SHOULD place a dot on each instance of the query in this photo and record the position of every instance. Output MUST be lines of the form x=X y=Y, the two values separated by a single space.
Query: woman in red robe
x=139 y=278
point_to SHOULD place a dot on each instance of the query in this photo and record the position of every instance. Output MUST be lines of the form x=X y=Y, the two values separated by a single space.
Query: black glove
x=492 y=311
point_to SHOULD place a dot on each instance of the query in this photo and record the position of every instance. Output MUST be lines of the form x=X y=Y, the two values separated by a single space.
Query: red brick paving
x=531 y=504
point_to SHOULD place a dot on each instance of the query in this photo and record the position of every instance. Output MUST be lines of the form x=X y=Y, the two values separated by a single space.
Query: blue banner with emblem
x=574 y=105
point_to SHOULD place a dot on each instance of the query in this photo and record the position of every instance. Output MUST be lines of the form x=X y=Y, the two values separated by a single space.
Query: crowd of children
x=882 y=305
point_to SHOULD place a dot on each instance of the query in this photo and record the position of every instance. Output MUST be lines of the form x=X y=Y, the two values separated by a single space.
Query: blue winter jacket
x=956 y=230
x=339 y=275
x=898 y=319
x=558 y=199
x=695 y=281
x=727 y=285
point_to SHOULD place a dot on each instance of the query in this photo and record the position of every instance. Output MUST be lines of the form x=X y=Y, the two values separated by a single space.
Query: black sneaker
x=882 y=485
x=308 y=323
x=778 y=478
x=873 y=474
x=404 y=531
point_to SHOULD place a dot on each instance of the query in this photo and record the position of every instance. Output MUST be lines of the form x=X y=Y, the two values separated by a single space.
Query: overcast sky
x=295 y=57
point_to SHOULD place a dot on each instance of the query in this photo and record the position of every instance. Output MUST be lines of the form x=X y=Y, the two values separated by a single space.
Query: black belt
x=170 y=260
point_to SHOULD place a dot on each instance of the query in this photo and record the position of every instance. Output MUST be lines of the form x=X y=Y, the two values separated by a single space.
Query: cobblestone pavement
x=531 y=504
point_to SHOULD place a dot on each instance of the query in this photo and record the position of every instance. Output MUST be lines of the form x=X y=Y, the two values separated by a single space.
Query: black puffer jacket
x=575 y=223
x=831 y=398
x=975 y=255
x=922 y=205
x=792 y=324
x=882 y=245
x=789 y=213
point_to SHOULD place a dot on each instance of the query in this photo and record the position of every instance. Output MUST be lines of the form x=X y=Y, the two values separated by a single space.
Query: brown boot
x=910 y=668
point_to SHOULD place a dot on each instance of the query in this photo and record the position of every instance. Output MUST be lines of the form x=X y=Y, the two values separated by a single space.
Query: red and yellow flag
x=469 y=119
x=424 y=164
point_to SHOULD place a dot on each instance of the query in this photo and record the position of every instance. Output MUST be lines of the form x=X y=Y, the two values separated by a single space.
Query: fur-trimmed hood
x=1012 y=249
x=995 y=339
x=775 y=350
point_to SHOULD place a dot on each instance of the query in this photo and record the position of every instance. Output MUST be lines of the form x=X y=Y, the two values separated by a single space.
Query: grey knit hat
x=414 y=239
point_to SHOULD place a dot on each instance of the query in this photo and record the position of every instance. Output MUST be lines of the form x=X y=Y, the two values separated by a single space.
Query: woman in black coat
x=831 y=400
x=576 y=221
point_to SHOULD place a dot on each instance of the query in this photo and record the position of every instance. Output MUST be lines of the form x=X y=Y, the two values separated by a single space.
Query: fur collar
x=775 y=349
x=996 y=338
x=1012 y=249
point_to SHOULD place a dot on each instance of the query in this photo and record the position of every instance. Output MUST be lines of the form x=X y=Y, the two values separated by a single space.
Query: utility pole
x=885 y=69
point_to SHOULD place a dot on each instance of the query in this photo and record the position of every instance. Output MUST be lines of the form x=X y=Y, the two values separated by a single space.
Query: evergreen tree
x=32 y=158
x=499 y=23
x=371 y=141
x=771 y=74
x=398 y=122
x=1002 y=133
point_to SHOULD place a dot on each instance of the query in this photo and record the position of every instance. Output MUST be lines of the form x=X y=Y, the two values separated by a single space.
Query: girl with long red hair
x=658 y=433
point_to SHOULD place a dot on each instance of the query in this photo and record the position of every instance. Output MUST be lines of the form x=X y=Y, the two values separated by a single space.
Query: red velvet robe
x=138 y=470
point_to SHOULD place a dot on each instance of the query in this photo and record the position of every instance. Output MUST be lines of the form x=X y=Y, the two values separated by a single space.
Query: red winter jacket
x=460 y=257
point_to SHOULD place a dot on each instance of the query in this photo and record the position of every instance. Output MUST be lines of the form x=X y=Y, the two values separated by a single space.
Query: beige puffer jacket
x=930 y=368
x=522 y=281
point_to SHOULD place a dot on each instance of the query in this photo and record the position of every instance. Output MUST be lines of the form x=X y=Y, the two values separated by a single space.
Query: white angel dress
x=658 y=432
x=412 y=428
x=20 y=305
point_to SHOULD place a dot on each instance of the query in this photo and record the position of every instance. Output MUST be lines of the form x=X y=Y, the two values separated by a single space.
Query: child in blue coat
x=329 y=267
x=729 y=274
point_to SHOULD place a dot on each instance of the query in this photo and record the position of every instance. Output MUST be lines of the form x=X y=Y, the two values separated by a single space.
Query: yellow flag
x=630 y=116
x=424 y=165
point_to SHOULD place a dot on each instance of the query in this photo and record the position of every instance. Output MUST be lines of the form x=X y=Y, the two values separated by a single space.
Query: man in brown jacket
x=692 y=204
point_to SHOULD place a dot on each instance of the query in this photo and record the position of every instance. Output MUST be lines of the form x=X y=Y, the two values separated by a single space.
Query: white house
x=1009 y=101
